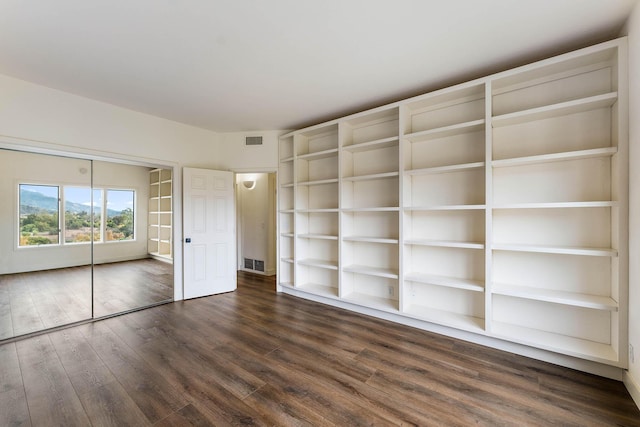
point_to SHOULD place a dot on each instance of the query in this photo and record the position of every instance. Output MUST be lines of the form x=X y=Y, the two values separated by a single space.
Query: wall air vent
x=259 y=266
x=248 y=263
x=253 y=140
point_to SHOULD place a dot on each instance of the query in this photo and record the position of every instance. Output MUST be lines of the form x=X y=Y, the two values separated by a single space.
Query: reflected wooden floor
x=253 y=357
x=39 y=300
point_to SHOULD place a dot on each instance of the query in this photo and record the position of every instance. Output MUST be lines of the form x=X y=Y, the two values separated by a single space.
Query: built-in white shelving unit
x=497 y=207
x=160 y=225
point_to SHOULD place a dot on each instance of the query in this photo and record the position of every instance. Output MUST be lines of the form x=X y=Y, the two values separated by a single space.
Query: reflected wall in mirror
x=45 y=241
x=133 y=266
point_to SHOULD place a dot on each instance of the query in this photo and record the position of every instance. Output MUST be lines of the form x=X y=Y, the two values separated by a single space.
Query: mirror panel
x=129 y=270
x=45 y=242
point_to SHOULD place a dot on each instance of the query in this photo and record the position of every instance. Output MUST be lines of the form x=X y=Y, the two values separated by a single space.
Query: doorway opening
x=256 y=223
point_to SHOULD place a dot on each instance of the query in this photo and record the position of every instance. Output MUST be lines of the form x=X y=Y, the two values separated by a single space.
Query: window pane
x=77 y=214
x=120 y=205
x=39 y=215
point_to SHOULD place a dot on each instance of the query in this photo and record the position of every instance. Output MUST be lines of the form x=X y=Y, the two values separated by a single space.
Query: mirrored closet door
x=75 y=240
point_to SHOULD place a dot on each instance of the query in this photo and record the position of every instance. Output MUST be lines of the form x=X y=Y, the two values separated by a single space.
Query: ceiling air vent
x=253 y=140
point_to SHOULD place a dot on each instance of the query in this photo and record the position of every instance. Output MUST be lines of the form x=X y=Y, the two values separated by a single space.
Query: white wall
x=39 y=118
x=632 y=378
x=234 y=155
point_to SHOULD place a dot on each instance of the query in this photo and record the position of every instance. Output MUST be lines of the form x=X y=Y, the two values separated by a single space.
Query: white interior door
x=209 y=232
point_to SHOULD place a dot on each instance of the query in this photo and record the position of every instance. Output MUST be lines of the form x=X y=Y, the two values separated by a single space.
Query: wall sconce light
x=249 y=185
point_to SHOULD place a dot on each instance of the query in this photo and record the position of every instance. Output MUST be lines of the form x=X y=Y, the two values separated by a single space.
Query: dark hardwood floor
x=253 y=357
x=39 y=300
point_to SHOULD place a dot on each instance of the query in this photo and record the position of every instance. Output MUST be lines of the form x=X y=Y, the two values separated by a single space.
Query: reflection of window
x=77 y=214
x=119 y=223
x=39 y=215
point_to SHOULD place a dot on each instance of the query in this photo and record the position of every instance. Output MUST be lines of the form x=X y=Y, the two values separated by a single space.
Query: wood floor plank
x=110 y=405
x=48 y=390
x=13 y=401
x=82 y=364
x=253 y=357
x=151 y=392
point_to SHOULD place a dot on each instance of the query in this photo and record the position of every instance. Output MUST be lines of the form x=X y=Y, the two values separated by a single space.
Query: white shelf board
x=287 y=185
x=446 y=169
x=445 y=243
x=555 y=110
x=320 y=263
x=287 y=260
x=319 y=182
x=371 y=301
x=373 y=209
x=456 y=129
x=287 y=284
x=319 y=289
x=371 y=271
x=447 y=282
x=318 y=236
x=369 y=239
x=555 y=157
x=287 y=234
x=332 y=152
x=566 y=250
x=287 y=211
x=560 y=297
x=558 y=205
x=371 y=176
x=372 y=145
x=446 y=318
x=444 y=208
x=319 y=210
x=287 y=159
x=578 y=347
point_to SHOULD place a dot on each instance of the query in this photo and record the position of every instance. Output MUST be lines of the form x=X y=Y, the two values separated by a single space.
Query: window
x=120 y=223
x=39 y=215
x=77 y=214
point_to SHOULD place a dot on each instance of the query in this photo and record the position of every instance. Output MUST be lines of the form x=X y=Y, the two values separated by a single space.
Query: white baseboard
x=632 y=387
